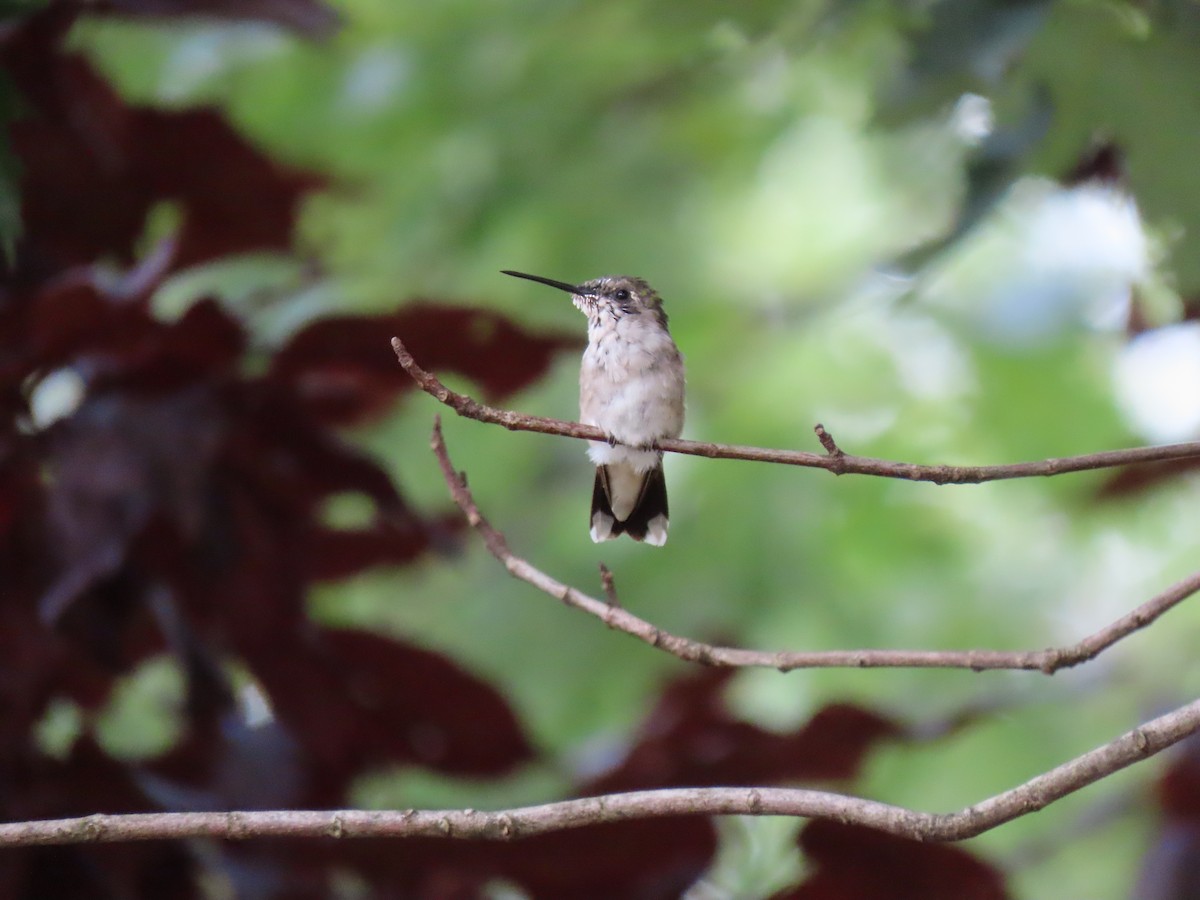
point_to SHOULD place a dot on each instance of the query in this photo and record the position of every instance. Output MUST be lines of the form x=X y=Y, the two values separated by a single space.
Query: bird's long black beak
x=561 y=285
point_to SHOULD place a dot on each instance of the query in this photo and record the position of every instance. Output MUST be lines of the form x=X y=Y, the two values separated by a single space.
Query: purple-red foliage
x=690 y=739
x=94 y=166
x=176 y=507
x=850 y=862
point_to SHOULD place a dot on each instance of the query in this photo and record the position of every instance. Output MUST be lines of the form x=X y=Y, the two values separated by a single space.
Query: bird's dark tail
x=647 y=521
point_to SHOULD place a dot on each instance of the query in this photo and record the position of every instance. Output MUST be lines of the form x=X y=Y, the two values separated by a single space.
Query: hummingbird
x=631 y=385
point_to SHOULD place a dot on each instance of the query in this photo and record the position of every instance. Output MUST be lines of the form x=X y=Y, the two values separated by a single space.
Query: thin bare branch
x=835 y=461
x=1048 y=661
x=506 y=825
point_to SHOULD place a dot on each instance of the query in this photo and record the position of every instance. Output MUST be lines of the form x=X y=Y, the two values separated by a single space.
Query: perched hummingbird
x=631 y=386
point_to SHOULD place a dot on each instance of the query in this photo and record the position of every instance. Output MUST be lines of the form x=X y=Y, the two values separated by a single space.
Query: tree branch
x=834 y=460
x=614 y=616
x=506 y=825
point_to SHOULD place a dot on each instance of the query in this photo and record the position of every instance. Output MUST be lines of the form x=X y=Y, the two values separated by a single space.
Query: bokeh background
x=960 y=232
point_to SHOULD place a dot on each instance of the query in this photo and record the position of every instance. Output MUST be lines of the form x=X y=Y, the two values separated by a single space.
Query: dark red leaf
x=70 y=318
x=87 y=781
x=117 y=465
x=1134 y=480
x=650 y=859
x=178 y=509
x=641 y=860
x=345 y=369
x=235 y=200
x=1179 y=787
x=850 y=862
x=1103 y=162
x=486 y=347
x=73 y=322
x=354 y=699
x=92 y=167
x=689 y=739
x=333 y=554
x=175 y=462
x=307 y=461
x=21 y=507
x=156 y=869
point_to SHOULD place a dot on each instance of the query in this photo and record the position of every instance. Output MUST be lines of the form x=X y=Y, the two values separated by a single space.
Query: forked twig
x=1048 y=661
x=834 y=460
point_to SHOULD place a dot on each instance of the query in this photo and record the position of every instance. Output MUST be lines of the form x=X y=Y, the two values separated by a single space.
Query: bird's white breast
x=632 y=386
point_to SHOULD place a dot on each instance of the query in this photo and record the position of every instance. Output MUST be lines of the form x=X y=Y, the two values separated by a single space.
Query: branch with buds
x=833 y=460
x=506 y=825
x=1049 y=660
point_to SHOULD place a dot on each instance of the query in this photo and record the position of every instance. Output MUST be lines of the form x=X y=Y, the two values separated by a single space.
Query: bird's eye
x=622 y=295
